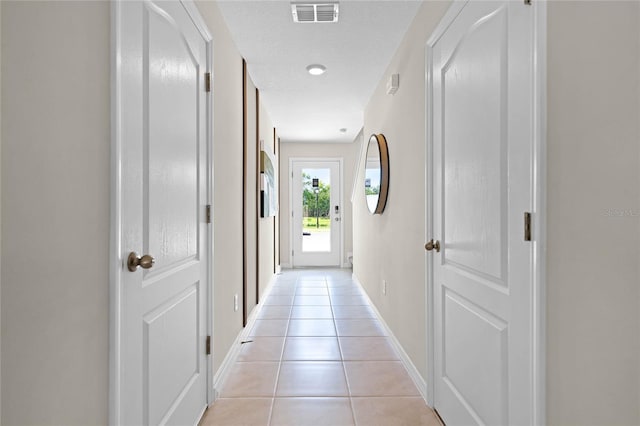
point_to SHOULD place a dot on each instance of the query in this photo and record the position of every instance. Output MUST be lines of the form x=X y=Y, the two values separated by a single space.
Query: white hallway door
x=316 y=213
x=159 y=372
x=482 y=75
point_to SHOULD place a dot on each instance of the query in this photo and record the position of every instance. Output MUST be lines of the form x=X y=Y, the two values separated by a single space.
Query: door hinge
x=291 y=252
x=208 y=345
x=207 y=81
x=292 y=213
x=208 y=213
x=527 y=226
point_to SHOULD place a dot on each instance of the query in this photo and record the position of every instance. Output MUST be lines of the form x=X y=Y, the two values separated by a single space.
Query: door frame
x=538 y=203
x=116 y=257
x=340 y=161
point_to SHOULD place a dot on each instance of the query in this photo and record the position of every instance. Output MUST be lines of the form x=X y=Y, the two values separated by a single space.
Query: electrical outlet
x=235 y=302
x=384 y=287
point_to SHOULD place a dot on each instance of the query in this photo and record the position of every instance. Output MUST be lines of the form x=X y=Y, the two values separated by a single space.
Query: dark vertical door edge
x=258 y=203
x=244 y=192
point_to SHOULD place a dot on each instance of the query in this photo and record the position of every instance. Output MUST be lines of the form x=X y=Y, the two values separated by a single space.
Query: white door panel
x=482 y=76
x=171 y=178
x=473 y=109
x=171 y=370
x=485 y=338
x=162 y=120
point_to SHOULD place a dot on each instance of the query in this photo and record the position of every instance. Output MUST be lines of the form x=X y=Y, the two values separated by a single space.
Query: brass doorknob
x=145 y=262
x=433 y=245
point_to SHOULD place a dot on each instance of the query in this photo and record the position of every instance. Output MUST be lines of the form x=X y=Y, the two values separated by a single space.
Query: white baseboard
x=415 y=375
x=230 y=359
x=282 y=266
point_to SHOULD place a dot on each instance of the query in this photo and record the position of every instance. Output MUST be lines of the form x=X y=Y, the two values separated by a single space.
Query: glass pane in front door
x=316 y=210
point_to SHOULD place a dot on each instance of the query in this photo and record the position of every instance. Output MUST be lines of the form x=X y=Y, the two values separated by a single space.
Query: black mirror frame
x=383 y=150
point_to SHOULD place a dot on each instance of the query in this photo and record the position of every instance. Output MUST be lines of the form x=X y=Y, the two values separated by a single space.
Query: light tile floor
x=318 y=357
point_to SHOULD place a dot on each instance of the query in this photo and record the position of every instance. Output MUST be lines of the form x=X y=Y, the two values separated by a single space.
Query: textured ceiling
x=356 y=52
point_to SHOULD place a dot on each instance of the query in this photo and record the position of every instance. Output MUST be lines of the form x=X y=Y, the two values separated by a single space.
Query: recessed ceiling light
x=316 y=69
x=343 y=130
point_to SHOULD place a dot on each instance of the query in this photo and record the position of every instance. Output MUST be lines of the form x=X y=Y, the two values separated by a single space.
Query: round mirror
x=376 y=174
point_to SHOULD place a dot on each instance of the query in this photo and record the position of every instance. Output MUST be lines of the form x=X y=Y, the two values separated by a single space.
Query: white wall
x=593 y=167
x=227 y=203
x=266 y=225
x=391 y=246
x=0 y=214
x=55 y=212
x=251 y=195
x=55 y=178
x=348 y=153
x=54 y=175
x=593 y=329
x=259 y=231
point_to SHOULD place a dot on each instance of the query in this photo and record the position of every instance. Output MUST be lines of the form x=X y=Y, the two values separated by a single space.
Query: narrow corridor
x=317 y=355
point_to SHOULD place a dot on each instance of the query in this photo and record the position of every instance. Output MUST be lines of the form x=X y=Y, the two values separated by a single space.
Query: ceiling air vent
x=314 y=12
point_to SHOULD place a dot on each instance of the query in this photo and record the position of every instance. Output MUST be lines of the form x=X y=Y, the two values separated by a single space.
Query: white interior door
x=482 y=73
x=316 y=213
x=160 y=365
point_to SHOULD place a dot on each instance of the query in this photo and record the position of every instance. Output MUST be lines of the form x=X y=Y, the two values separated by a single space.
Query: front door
x=482 y=71
x=317 y=213
x=160 y=362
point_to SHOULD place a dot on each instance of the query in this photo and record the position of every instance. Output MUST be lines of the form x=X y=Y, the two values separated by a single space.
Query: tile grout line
x=297 y=281
x=284 y=343
x=344 y=368
x=275 y=385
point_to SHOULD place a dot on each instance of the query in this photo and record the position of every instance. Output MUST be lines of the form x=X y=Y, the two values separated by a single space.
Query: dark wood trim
x=258 y=196
x=276 y=150
x=383 y=149
x=279 y=258
x=244 y=193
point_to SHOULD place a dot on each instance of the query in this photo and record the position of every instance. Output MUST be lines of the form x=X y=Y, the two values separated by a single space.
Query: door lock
x=145 y=262
x=433 y=245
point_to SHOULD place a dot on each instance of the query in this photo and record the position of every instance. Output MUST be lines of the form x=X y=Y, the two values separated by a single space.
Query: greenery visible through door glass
x=315 y=217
